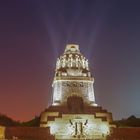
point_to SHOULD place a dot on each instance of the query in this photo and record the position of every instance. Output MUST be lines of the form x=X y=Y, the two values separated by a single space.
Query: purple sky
x=33 y=33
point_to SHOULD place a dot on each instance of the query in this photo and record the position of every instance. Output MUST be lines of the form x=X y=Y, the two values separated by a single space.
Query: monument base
x=77 y=121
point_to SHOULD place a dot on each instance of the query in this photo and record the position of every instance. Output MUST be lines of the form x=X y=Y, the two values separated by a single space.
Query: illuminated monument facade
x=74 y=113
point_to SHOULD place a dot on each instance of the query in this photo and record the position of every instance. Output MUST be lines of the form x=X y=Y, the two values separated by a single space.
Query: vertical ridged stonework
x=72 y=77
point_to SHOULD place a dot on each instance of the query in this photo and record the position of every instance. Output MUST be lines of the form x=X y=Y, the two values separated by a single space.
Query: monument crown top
x=72 y=48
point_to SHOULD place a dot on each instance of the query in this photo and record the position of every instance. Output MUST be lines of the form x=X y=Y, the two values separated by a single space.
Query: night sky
x=33 y=33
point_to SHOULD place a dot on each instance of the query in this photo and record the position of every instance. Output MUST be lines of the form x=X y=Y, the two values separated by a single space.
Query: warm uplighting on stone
x=2 y=132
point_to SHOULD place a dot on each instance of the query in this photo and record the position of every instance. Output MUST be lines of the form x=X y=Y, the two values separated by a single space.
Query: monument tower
x=72 y=77
x=74 y=113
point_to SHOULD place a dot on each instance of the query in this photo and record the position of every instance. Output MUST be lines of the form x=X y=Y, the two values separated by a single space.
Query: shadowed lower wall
x=32 y=133
x=126 y=133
